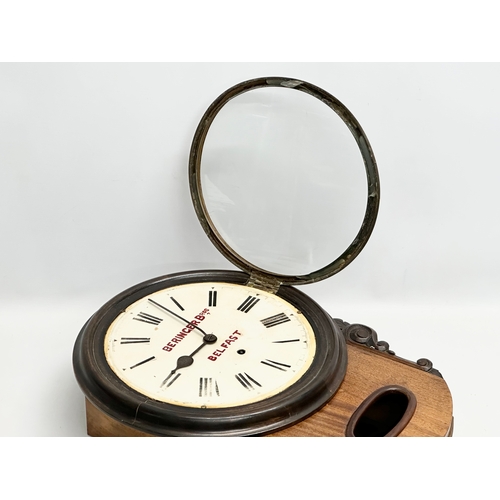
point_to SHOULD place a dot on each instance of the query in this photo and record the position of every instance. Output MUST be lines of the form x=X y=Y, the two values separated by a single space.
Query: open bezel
x=202 y=212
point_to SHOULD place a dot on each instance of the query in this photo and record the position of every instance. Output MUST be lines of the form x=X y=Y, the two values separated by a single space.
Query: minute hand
x=180 y=317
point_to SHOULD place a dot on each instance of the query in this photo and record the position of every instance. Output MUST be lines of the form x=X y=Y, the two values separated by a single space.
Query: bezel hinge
x=264 y=282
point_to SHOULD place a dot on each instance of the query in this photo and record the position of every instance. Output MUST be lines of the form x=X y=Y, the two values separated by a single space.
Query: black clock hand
x=185 y=361
x=180 y=317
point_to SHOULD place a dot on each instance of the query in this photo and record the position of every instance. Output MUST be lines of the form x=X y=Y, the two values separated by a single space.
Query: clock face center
x=260 y=345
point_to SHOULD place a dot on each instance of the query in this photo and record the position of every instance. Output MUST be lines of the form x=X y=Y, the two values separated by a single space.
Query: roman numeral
x=148 y=318
x=207 y=387
x=275 y=364
x=248 y=303
x=142 y=362
x=134 y=340
x=177 y=303
x=277 y=319
x=246 y=381
x=212 y=298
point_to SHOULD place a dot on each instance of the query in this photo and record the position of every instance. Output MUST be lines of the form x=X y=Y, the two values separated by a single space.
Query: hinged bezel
x=264 y=282
x=261 y=275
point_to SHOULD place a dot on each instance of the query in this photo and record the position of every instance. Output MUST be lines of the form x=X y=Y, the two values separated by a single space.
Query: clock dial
x=210 y=345
x=203 y=354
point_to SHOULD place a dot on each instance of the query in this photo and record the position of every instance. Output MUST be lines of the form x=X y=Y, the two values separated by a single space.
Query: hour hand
x=185 y=361
x=182 y=362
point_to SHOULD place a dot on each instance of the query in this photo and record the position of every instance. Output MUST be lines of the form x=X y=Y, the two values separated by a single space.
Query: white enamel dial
x=210 y=345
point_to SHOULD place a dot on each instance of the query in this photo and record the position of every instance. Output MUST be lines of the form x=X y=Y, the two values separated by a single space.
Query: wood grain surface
x=367 y=371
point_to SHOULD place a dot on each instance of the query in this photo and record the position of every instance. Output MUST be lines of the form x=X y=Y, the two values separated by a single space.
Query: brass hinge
x=263 y=282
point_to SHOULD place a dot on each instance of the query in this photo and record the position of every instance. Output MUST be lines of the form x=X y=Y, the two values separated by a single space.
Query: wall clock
x=243 y=353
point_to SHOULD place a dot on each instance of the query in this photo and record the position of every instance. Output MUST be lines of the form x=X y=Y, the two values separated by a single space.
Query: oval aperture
x=384 y=413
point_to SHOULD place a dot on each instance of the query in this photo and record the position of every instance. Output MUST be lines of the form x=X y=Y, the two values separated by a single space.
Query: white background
x=94 y=198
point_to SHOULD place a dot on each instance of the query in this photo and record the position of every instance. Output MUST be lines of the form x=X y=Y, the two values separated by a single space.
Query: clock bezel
x=373 y=182
x=112 y=396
